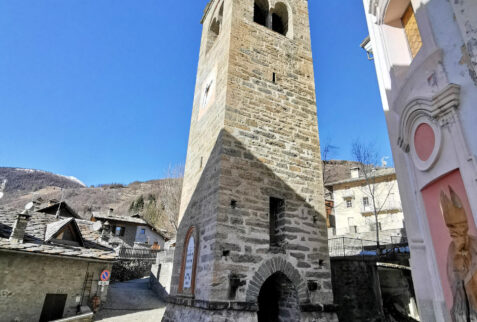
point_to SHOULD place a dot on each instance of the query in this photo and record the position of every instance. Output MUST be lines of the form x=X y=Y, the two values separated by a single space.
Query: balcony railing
x=136 y=253
x=388 y=206
x=344 y=246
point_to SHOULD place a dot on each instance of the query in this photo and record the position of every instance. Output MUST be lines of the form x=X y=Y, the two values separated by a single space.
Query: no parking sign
x=105 y=275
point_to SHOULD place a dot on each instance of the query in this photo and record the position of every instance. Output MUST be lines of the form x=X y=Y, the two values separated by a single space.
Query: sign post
x=105 y=275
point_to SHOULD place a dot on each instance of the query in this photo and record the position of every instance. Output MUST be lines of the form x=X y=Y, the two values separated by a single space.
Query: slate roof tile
x=42 y=227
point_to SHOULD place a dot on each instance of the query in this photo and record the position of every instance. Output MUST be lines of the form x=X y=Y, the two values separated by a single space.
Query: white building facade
x=353 y=209
x=425 y=53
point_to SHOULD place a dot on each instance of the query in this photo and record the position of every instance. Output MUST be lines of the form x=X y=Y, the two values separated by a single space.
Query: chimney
x=105 y=232
x=18 y=231
x=37 y=203
x=354 y=173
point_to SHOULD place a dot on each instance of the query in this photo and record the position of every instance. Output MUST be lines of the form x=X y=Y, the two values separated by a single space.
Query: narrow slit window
x=277 y=212
x=274 y=78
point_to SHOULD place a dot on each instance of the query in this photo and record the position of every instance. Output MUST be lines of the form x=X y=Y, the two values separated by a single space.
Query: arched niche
x=189 y=262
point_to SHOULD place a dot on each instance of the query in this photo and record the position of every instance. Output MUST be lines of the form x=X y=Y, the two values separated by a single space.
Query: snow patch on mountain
x=74 y=179
x=2 y=187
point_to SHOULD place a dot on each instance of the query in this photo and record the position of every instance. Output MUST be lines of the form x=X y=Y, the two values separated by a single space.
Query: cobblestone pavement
x=131 y=301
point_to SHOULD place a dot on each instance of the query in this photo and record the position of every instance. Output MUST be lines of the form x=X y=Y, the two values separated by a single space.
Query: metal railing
x=345 y=246
x=136 y=253
x=388 y=206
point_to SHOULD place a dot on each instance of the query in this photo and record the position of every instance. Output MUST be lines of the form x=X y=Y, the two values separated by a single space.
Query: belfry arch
x=275 y=15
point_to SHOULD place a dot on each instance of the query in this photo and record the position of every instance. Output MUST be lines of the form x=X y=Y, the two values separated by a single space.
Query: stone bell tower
x=252 y=241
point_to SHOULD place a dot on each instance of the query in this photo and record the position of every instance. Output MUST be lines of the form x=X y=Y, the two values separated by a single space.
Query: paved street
x=131 y=301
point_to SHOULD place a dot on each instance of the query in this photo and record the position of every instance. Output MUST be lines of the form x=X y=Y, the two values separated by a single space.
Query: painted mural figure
x=461 y=259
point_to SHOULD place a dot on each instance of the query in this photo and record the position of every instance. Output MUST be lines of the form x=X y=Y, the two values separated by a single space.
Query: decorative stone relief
x=189 y=263
x=421 y=123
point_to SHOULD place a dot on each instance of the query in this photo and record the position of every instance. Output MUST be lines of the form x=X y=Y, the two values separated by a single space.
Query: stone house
x=49 y=266
x=130 y=231
x=353 y=211
x=425 y=54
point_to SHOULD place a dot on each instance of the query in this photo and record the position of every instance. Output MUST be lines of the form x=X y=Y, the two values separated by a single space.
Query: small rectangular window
x=274 y=78
x=365 y=201
x=277 y=212
x=143 y=231
x=349 y=203
x=411 y=29
x=119 y=231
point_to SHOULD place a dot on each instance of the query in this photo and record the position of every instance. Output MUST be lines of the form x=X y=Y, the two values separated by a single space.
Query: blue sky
x=103 y=89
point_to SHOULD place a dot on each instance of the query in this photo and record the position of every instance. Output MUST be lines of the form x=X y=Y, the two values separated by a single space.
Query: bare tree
x=160 y=208
x=171 y=194
x=375 y=188
x=327 y=152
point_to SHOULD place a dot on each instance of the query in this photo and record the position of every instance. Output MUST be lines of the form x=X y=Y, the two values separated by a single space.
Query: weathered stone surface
x=25 y=279
x=254 y=138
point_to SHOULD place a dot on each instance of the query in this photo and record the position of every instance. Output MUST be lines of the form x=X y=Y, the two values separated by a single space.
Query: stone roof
x=377 y=174
x=105 y=216
x=54 y=227
x=53 y=205
x=42 y=227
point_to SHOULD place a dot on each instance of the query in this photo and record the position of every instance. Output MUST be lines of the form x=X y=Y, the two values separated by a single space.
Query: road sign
x=103 y=283
x=105 y=275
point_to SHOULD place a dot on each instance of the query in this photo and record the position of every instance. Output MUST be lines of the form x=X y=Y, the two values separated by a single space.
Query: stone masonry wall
x=161 y=273
x=199 y=200
x=129 y=234
x=131 y=269
x=26 y=279
x=357 y=290
x=256 y=139
x=271 y=150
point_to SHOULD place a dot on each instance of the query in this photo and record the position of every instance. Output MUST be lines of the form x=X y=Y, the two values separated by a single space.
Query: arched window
x=260 y=12
x=276 y=19
x=280 y=19
x=214 y=28
x=189 y=263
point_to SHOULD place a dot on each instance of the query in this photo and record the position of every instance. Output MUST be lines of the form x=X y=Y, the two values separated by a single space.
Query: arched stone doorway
x=278 y=300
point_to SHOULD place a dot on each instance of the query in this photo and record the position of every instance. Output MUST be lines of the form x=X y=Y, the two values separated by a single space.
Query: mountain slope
x=24 y=185
x=17 y=179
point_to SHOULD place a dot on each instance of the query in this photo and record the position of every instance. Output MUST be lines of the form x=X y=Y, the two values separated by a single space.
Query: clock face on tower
x=207 y=93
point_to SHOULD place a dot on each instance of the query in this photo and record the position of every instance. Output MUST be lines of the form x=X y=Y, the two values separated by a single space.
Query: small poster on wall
x=189 y=263
x=454 y=236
